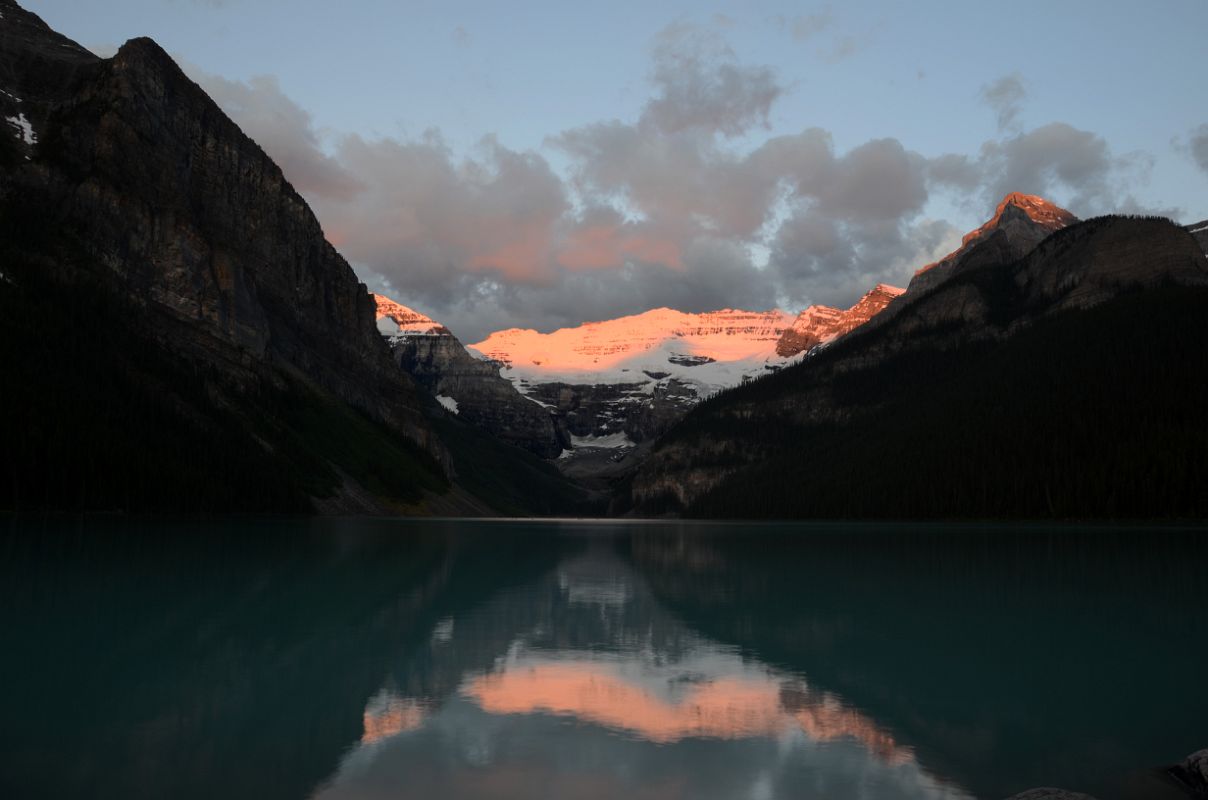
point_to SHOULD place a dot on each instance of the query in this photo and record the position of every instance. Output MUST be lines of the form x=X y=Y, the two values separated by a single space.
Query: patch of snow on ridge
x=448 y=402
x=610 y=441
x=24 y=128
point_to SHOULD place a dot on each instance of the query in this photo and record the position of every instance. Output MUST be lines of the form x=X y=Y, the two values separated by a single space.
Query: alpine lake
x=448 y=659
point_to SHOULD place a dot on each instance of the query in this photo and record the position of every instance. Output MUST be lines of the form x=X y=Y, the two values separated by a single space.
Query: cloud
x=426 y=213
x=699 y=85
x=819 y=259
x=1197 y=145
x=1005 y=96
x=664 y=209
x=807 y=26
x=1052 y=157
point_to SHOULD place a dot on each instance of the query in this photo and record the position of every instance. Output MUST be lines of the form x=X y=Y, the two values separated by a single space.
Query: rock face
x=467 y=386
x=1200 y=231
x=1193 y=772
x=984 y=296
x=1048 y=793
x=123 y=179
x=820 y=324
x=1020 y=222
x=191 y=217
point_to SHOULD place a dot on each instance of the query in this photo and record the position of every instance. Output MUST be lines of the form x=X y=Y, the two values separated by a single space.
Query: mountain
x=1020 y=222
x=821 y=324
x=617 y=383
x=1059 y=381
x=468 y=387
x=176 y=333
x=395 y=319
x=1200 y=231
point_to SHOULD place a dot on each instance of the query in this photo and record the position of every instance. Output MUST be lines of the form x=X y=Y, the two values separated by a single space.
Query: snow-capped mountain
x=705 y=352
x=611 y=384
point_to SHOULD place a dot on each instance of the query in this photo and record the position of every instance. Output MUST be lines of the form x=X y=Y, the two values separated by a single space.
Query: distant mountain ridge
x=821 y=324
x=611 y=384
x=617 y=384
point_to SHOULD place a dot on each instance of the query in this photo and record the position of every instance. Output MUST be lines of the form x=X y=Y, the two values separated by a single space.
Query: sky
x=542 y=164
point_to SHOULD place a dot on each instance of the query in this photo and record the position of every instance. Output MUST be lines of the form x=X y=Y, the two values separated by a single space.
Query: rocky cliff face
x=821 y=324
x=122 y=183
x=466 y=386
x=1020 y=222
x=192 y=219
x=1200 y=231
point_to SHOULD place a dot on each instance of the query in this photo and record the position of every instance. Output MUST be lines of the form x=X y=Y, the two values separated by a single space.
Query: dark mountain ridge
x=177 y=333
x=1065 y=383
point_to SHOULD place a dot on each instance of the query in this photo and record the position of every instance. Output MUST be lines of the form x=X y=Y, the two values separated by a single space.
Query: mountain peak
x=1023 y=220
x=1035 y=208
x=821 y=324
x=396 y=319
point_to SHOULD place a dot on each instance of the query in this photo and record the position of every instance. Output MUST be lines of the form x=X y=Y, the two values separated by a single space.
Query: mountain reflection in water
x=470 y=659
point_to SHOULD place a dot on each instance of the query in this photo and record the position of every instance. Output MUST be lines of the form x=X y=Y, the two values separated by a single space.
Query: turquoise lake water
x=466 y=659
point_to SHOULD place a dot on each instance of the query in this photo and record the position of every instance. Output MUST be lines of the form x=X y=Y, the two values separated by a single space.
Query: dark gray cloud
x=820 y=259
x=1197 y=145
x=1005 y=96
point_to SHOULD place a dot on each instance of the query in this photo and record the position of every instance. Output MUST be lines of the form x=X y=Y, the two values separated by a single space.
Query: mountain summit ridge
x=1020 y=221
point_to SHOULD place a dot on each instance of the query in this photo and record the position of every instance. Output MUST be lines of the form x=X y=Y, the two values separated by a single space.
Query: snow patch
x=23 y=127
x=448 y=402
x=1199 y=229
x=610 y=441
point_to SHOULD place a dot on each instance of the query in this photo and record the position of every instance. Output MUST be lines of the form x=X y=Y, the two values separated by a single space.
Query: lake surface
x=445 y=659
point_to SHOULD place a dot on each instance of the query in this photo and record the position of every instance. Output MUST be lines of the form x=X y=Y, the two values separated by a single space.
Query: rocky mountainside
x=230 y=359
x=1200 y=231
x=606 y=387
x=821 y=324
x=987 y=390
x=468 y=387
x=1020 y=222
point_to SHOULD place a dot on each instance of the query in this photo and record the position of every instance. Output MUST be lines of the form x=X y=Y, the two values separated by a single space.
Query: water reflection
x=594 y=676
x=420 y=659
